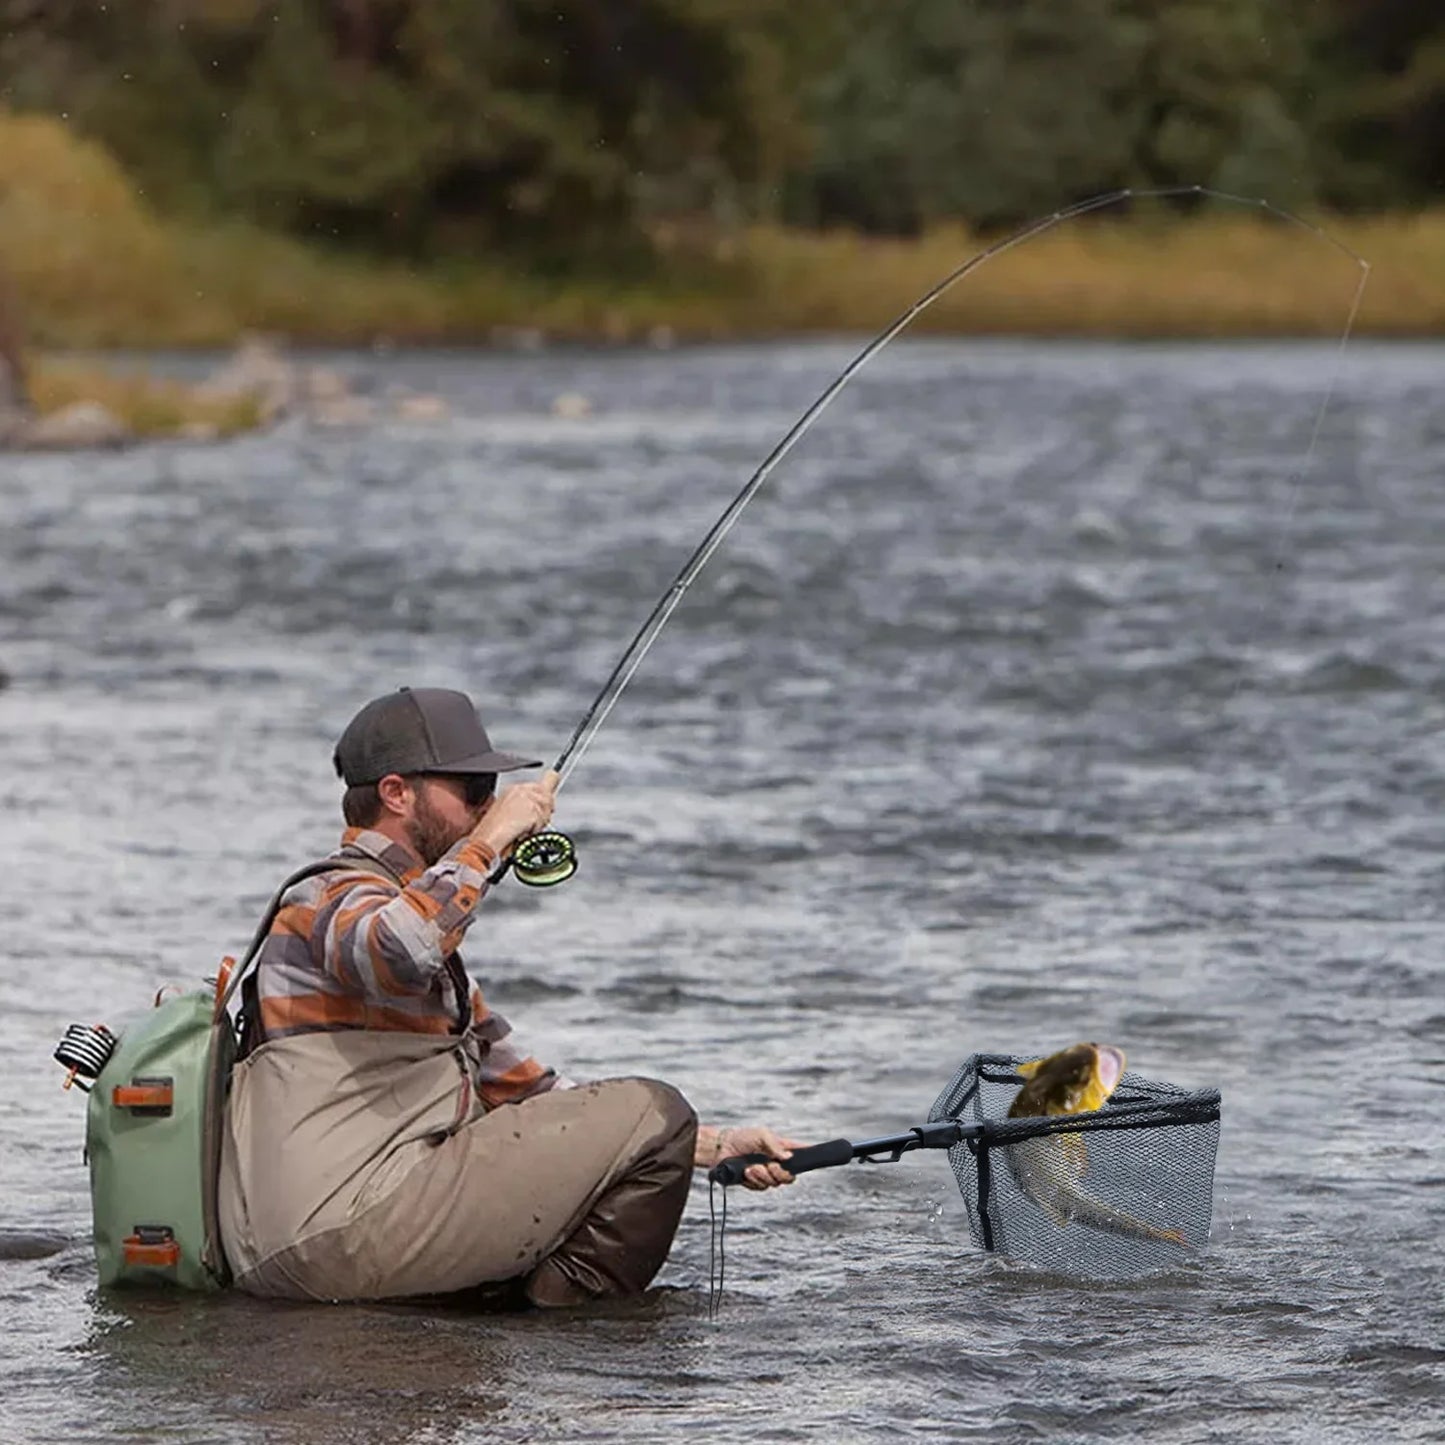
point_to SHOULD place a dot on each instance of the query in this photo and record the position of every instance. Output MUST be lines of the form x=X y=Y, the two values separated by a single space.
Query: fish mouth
x=1111 y=1066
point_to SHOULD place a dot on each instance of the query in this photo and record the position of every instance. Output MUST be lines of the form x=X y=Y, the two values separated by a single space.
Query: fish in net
x=1068 y=1163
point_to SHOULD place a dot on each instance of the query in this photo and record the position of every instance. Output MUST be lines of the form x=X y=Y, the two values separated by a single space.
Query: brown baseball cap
x=419 y=730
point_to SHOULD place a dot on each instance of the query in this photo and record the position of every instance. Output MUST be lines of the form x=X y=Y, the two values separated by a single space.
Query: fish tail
x=1048 y=1173
x=1098 y=1215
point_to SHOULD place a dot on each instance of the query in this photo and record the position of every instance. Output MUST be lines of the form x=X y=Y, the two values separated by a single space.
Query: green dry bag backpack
x=153 y=1139
x=154 y=1125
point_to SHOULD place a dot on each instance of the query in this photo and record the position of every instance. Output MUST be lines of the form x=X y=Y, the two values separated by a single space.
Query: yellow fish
x=1050 y=1168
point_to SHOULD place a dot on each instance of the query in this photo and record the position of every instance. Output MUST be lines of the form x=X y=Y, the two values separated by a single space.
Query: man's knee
x=622 y=1240
x=677 y=1126
x=654 y=1113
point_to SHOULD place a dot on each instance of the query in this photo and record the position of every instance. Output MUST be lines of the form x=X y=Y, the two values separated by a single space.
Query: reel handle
x=543 y=859
x=814 y=1156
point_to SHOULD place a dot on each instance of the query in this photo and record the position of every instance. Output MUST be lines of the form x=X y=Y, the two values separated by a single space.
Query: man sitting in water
x=385 y=1134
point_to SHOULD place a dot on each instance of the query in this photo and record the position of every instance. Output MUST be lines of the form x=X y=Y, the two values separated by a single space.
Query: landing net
x=1122 y=1191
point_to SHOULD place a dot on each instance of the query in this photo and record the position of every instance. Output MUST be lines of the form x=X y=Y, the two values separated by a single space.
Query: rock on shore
x=14 y=409
x=258 y=380
x=81 y=425
x=258 y=369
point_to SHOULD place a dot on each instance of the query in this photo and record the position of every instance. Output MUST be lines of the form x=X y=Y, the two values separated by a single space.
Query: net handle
x=1196 y=1108
x=937 y=1134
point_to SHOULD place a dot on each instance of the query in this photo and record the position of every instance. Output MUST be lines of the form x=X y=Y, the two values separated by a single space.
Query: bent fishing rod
x=550 y=857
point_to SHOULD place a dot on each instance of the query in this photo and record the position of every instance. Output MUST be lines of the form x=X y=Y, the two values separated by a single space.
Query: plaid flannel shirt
x=356 y=950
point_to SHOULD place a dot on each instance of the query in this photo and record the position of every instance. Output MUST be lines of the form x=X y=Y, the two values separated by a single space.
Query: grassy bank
x=145 y=405
x=94 y=266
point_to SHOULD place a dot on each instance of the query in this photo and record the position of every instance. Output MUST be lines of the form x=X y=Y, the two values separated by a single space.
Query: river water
x=1049 y=691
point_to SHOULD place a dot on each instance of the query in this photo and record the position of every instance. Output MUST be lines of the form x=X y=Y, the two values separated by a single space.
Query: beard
x=429 y=833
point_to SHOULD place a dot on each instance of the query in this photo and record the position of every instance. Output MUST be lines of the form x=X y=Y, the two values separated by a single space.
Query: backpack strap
x=244 y=979
x=347 y=863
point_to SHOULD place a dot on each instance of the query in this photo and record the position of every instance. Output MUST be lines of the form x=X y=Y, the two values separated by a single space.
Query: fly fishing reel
x=544 y=859
x=85 y=1050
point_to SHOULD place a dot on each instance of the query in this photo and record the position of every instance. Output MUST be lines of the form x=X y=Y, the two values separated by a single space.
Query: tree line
x=570 y=130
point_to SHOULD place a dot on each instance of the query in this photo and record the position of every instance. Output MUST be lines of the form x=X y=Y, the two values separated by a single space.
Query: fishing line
x=1307 y=462
x=549 y=858
x=1326 y=401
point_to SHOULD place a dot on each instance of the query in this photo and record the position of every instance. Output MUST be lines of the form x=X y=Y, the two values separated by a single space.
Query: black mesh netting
x=1125 y=1190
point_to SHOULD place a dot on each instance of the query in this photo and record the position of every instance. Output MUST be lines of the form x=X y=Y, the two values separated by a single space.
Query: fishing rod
x=551 y=857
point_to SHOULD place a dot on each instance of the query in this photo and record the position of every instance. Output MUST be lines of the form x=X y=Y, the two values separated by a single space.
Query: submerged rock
x=30 y=1243
x=571 y=406
x=1096 y=528
x=323 y=385
x=344 y=411
x=422 y=408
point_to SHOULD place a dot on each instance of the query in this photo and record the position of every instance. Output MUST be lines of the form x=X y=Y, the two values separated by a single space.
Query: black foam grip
x=814 y=1156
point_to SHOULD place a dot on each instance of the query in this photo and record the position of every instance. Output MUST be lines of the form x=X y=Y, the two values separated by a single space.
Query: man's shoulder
x=370 y=848
x=332 y=877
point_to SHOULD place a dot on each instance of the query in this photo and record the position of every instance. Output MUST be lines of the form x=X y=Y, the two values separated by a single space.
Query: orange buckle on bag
x=223 y=980
x=152 y=1245
x=145 y=1096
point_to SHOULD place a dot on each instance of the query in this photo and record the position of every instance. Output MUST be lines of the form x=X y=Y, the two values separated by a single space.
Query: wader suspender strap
x=456 y=974
x=349 y=862
x=327 y=865
x=263 y=928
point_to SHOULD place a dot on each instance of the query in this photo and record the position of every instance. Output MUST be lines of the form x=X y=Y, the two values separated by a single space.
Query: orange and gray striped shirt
x=377 y=950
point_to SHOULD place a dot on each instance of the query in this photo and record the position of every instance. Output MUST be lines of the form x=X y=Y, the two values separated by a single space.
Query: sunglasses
x=477 y=788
